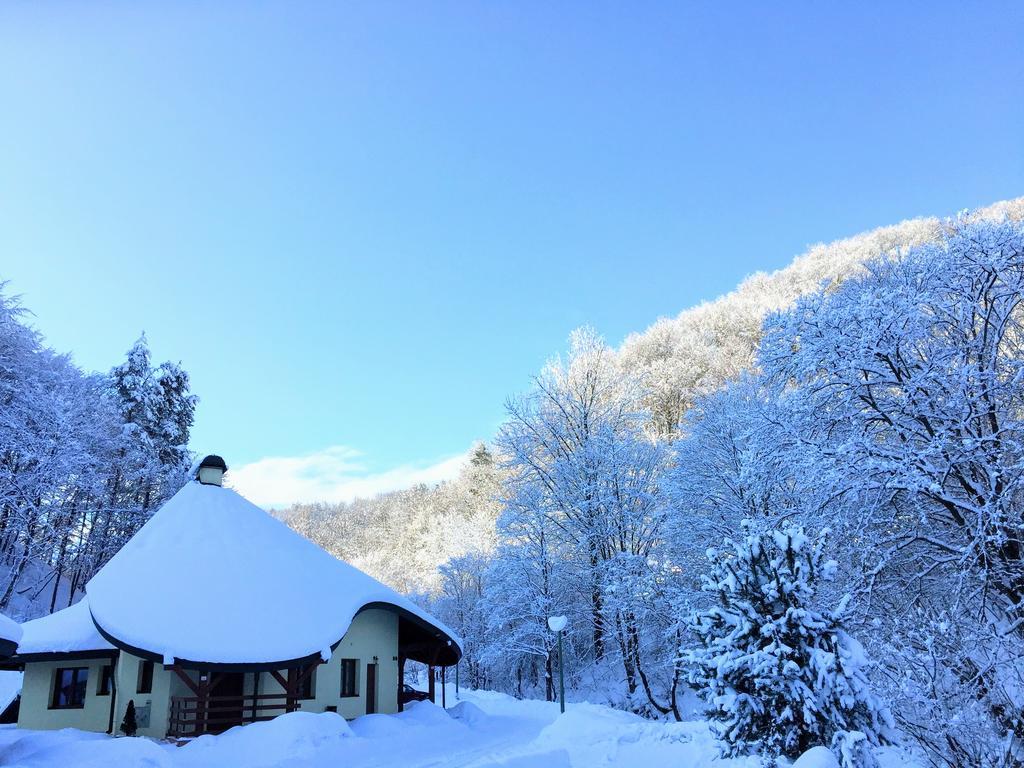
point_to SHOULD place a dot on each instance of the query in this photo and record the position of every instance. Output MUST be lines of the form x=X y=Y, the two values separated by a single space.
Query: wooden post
x=292 y=702
x=285 y=684
x=430 y=684
x=444 y=703
x=201 y=704
x=255 y=693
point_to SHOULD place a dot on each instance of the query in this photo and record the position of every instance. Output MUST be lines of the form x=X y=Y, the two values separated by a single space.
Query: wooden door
x=371 y=688
x=225 y=710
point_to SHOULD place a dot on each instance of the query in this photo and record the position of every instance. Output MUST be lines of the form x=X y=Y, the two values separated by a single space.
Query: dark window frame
x=79 y=688
x=350 y=675
x=145 y=683
x=106 y=684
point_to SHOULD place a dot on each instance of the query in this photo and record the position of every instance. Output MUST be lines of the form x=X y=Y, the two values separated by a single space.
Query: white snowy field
x=482 y=730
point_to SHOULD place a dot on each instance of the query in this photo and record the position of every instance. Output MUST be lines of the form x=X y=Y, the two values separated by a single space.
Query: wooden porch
x=193 y=716
x=219 y=700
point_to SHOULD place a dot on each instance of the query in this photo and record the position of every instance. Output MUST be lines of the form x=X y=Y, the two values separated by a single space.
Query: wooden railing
x=194 y=715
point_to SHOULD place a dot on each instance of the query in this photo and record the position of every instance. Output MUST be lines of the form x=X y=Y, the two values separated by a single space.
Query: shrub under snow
x=777 y=670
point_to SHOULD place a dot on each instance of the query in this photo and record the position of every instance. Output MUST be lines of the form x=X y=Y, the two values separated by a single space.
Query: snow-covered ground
x=482 y=730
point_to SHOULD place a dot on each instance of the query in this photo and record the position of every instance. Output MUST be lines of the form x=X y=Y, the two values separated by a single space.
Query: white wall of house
x=158 y=700
x=37 y=712
x=37 y=687
x=373 y=633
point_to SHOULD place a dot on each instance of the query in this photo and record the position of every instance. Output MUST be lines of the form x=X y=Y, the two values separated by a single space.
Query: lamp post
x=556 y=624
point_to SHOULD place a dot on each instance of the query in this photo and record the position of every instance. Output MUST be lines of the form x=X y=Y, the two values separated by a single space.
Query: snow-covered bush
x=777 y=670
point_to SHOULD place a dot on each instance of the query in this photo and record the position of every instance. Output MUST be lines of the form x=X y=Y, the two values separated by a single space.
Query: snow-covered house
x=216 y=614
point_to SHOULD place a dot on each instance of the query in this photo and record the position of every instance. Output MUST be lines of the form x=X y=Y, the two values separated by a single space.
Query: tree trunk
x=627 y=657
x=549 y=682
x=634 y=646
x=596 y=606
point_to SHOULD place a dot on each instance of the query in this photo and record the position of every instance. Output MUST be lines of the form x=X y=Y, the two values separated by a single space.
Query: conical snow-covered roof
x=213 y=578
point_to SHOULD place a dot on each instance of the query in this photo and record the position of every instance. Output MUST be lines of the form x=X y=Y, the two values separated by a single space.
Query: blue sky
x=361 y=226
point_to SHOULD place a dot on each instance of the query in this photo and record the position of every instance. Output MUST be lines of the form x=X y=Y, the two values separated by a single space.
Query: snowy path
x=473 y=743
x=484 y=730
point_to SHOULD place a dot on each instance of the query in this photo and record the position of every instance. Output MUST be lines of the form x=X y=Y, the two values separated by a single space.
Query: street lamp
x=556 y=624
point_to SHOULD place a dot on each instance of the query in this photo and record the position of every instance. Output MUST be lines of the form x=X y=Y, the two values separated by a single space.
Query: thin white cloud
x=333 y=474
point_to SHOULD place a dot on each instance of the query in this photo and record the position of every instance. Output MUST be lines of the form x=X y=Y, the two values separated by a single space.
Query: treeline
x=401 y=537
x=869 y=388
x=677 y=360
x=693 y=354
x=883 y=414
x=85 y=458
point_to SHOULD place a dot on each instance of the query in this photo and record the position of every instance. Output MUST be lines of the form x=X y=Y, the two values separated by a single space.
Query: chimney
x=211 y=470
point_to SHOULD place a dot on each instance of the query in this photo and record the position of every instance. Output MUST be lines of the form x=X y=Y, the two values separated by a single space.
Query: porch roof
x=67 y=632
x=10 y=634
x=212 y=579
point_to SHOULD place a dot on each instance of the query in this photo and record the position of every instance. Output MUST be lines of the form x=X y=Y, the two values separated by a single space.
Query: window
x=305 y=676
x=69 y=687
x=145 y=678
x=348 y=677
x=106 y=680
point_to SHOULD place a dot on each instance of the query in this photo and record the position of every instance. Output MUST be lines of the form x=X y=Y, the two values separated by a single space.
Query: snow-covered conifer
x=778 y=671
x=129 y=725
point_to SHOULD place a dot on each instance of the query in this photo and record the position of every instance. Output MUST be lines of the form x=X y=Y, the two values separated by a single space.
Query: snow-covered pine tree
x=779 y=673
x=175 y=411
x=129 y=726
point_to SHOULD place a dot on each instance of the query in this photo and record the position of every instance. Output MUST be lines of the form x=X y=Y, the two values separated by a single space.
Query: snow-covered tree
x=873 y=386
x=528 y=581
x=905 y=391
x=578 y=455
x=777 y=669
x=683 y=358
x=84 y=458
x=460 y=604
x=402 y=537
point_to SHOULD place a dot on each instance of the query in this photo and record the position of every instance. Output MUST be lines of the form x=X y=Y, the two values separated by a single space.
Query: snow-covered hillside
x=482 y=730
x=679 y=360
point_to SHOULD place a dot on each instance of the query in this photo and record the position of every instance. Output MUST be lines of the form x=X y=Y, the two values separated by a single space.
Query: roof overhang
x=418 y=640
x=142 y=653
x=18 y=660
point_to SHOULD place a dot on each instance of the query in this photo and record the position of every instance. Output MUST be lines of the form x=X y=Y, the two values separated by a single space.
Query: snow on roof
x=9 y=629
x=66 y=631
x=214 y=578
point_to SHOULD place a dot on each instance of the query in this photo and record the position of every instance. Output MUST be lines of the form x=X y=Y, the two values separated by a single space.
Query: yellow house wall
x=37 y=693
x=165 y=685
x=372 y=633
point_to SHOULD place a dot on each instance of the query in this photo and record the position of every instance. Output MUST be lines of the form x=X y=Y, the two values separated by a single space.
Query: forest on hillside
x=797 y=508
x=808 y=491
x=677 y=360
